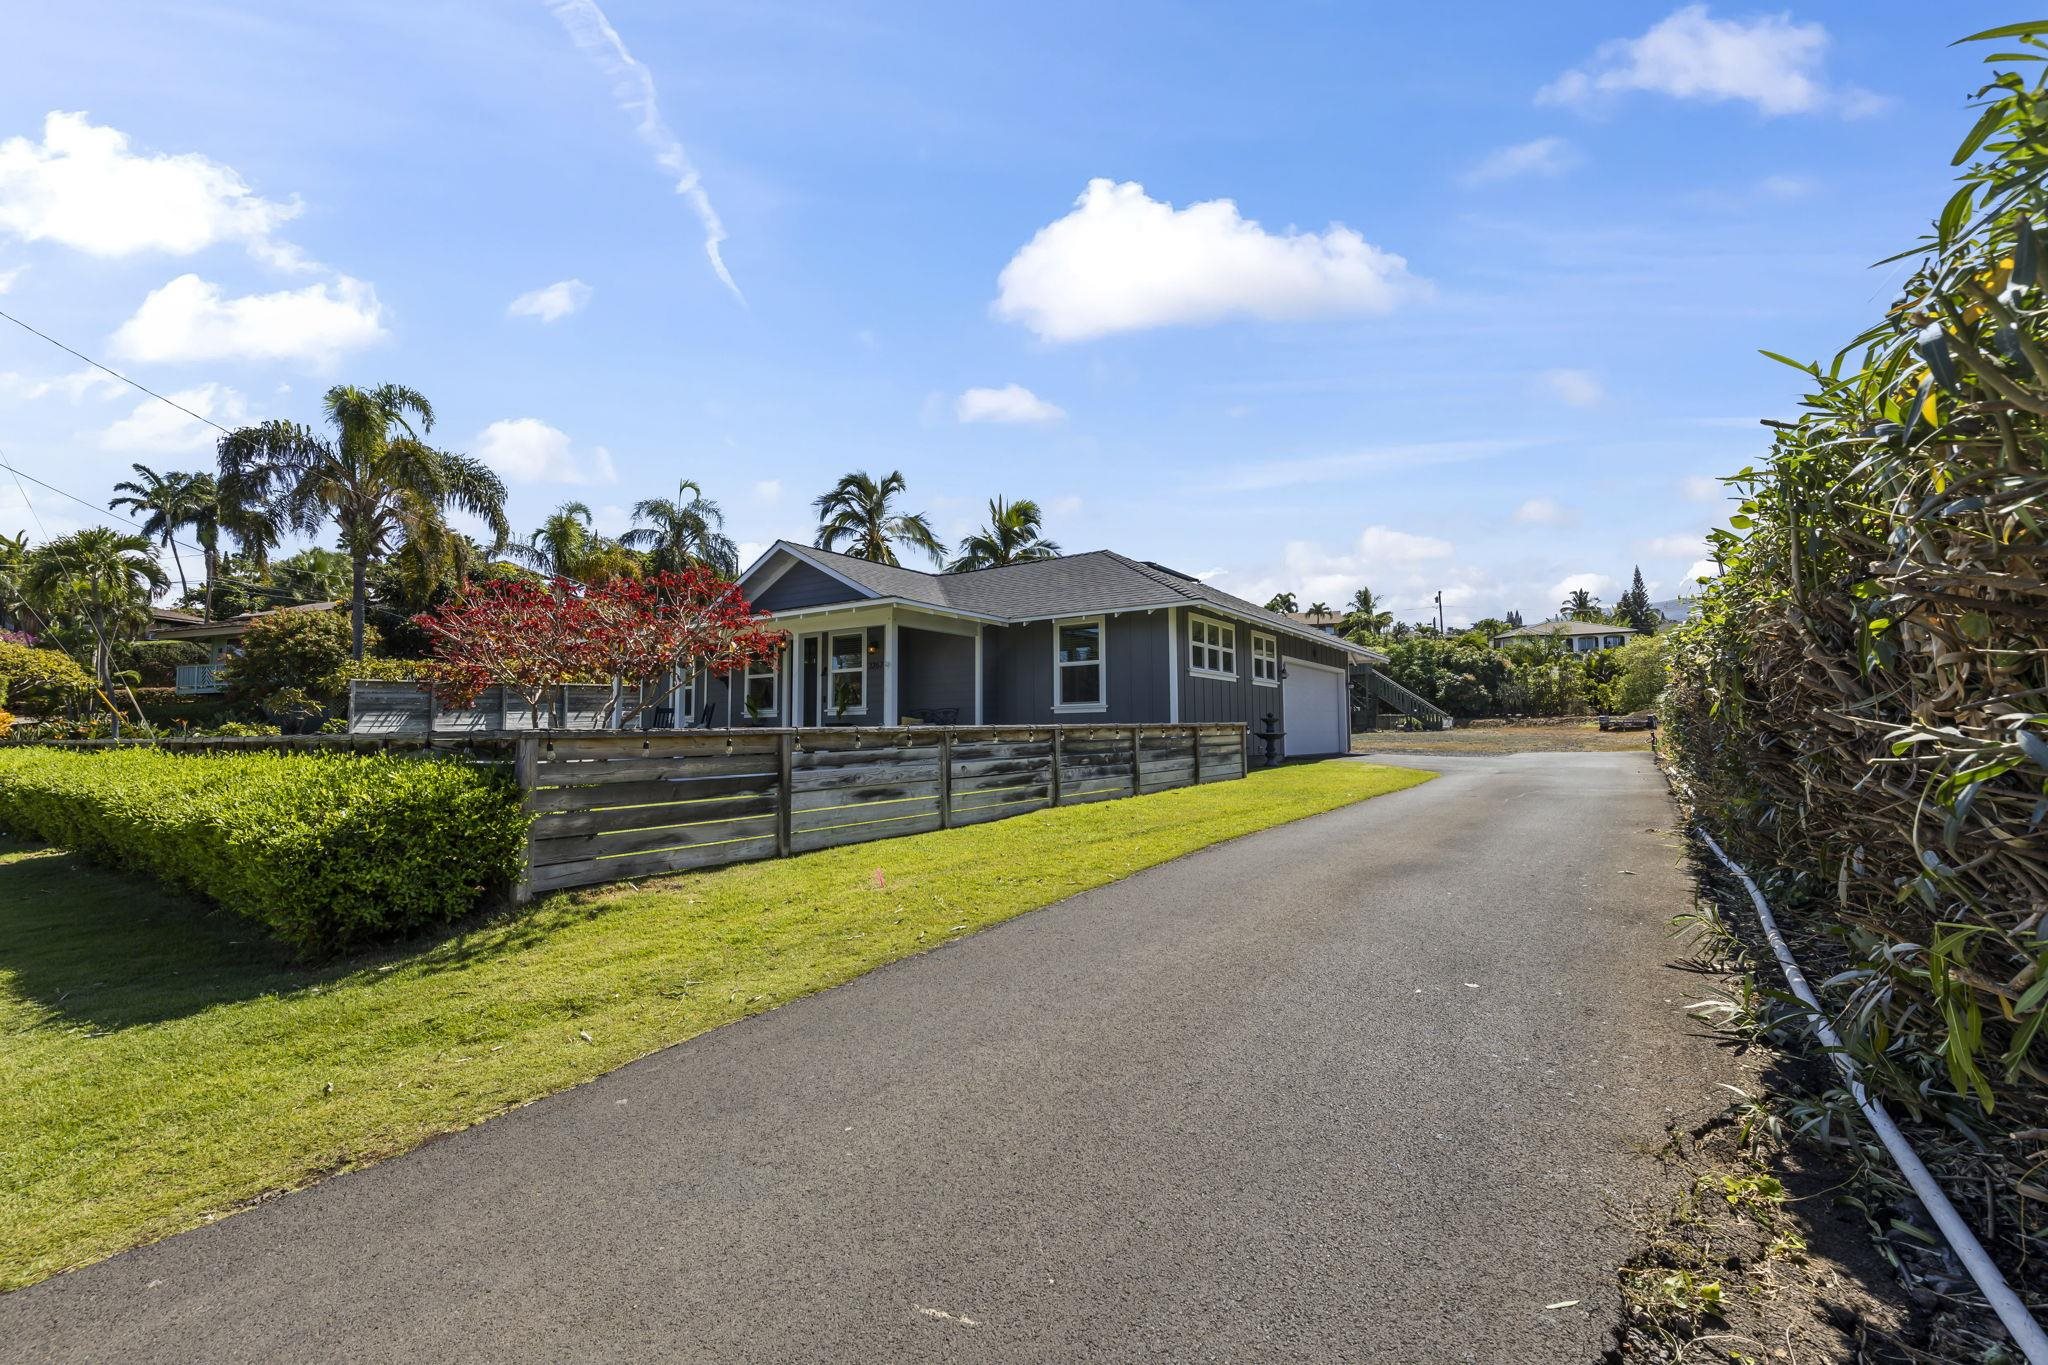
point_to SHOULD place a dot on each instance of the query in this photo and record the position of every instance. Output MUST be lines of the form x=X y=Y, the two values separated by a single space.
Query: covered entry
x=1316 y=711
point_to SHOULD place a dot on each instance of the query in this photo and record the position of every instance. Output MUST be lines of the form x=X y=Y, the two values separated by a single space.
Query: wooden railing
x=610 y=807
x=199 y=679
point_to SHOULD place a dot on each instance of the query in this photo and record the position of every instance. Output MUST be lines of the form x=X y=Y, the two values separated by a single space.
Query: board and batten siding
x=1017 y=672
x=802 y=585
x=938 y=672
x=1203 y=698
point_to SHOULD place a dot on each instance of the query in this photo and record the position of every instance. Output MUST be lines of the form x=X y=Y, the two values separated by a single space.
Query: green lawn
x=161 y=1066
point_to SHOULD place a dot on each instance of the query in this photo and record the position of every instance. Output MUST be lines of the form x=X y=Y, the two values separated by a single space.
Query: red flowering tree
x=531 y=637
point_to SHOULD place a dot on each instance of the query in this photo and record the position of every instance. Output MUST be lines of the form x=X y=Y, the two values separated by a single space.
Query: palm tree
x=566 y=546
x=312 y=575
x=167 y=504
x=1319 y=609
x=1283 y=602
x=1365 y=616
x=99 y=577
x=15 y=612
x=1580 y=605
x=686 y=530
x=1011 y=537
x=375 y=478
x=860 y=513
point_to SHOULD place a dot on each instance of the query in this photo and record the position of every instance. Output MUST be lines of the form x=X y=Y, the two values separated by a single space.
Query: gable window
x=1077 y=666
x=1212 y=647
x=763 y=688
x=847 y=674
x=1265 y=660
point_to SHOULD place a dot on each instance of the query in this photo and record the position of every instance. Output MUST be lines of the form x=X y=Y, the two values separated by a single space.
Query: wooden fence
x=610 y=807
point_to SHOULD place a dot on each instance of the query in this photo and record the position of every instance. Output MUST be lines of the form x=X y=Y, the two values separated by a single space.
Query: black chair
x=703 y=721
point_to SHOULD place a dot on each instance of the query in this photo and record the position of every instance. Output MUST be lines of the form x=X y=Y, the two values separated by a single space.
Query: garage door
x=1317 y=713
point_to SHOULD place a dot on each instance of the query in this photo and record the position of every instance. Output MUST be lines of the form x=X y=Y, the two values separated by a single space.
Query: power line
x=108 y=369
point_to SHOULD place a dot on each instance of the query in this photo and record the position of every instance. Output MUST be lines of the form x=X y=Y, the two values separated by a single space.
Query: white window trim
x=1272 y=654
x=831 y=674
x=682 y=700
x=773 y=709
x=1194 y=644
x=1101 y=665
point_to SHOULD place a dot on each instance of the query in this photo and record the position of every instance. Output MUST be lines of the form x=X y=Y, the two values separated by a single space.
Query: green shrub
x=40 y=678
x=306 y=651
x=156 y=661
x=325 y=851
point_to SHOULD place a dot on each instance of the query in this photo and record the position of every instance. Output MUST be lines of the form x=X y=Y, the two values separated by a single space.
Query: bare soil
x=1521 y=737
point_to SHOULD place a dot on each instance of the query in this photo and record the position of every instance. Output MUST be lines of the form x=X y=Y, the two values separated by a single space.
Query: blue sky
x=1298 y=296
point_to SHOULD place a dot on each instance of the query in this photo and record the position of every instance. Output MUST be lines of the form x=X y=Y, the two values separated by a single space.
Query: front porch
x=864 y=664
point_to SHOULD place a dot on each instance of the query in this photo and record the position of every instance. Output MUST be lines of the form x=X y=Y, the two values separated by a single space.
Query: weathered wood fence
x=612 y=806
x=407 y=709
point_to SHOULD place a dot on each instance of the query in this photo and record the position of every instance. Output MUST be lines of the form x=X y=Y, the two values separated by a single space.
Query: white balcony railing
x=197 y=679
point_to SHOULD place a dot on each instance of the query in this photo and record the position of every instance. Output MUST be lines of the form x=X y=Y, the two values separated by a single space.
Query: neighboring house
x=1581 y=637
x=1080 y=638
x=220 y=638
x=1328 y=622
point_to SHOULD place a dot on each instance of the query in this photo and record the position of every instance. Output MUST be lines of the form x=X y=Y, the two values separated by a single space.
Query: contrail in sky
x=633 y=83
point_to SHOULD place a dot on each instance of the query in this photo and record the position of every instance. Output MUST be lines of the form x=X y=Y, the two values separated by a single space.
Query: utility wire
x=108 y=369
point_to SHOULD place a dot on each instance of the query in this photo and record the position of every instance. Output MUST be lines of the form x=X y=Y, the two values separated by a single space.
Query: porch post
x=891 y=673
x=980 y=632
x=796 y=682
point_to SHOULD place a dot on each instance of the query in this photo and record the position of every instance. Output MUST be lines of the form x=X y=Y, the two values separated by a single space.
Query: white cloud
x=1700 y=488
x=1770 y=62
x=1599 y=584
x=1701 y=568
x=1545 y=512
x=1011 y=403
x=1676 y=547
x=1543 y=156
x=189 y=319
x=550 y=303
x=768 y=490
x=528 y=450
x=1122 y=261
x=75 y=386
x=1578 y=388
x=633 y=86
x=84 y=187
x=159 y=428
x=8 y=277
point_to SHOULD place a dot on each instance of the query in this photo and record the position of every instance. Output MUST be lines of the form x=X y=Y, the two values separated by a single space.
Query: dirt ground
x=1583 y=736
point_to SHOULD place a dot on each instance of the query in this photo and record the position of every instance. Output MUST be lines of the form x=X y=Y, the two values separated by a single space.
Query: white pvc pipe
x=2025 y=1331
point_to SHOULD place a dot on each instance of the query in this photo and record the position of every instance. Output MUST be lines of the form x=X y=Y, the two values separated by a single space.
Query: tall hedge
x=325 y=851
x=1861 y=702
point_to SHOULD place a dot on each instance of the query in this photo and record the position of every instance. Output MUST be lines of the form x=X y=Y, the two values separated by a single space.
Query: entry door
x=1315 y=713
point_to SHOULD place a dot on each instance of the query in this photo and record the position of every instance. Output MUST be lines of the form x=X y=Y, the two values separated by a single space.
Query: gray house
x=1087 y=637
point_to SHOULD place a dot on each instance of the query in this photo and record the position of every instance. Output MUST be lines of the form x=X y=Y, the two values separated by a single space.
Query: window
x=1212 y=647
x=1077 y=683
x=846 y=680
x=762 y=687
x=1611 y=642
x=1265 y=660
x=684 y=698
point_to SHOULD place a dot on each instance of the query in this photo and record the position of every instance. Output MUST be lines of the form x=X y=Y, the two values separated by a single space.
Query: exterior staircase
x=1380 y=703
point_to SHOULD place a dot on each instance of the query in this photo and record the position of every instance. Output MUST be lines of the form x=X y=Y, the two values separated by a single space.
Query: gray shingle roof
x=1071 y=585
x=1567 y=628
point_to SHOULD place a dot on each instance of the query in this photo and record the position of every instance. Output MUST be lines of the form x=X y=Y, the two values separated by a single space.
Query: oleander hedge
x=325 y=851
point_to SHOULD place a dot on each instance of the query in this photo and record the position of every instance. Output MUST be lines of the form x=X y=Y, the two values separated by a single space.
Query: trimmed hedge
x=325 y=851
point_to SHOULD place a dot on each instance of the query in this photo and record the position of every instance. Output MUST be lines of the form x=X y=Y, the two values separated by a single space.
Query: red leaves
x=529 y=638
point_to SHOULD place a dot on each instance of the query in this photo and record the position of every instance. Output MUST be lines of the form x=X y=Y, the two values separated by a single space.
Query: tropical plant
x=40 y=678
x=1283 y=602
x=15 y=612
x=1319 y=609
x=375 y=478
x=567 y=545
x=100 y=578
x=1364 y=617
x=312 y=575
x=683 y=532
x=1464 y=679
x=165 y=505
x=1580 y=605
x=1012 y=536
x=857 y=516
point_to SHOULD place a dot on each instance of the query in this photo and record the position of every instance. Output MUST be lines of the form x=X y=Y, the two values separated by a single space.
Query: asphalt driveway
x=1367 y=1087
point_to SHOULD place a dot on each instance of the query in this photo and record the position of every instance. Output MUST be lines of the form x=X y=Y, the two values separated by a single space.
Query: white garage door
x=1317 y=714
